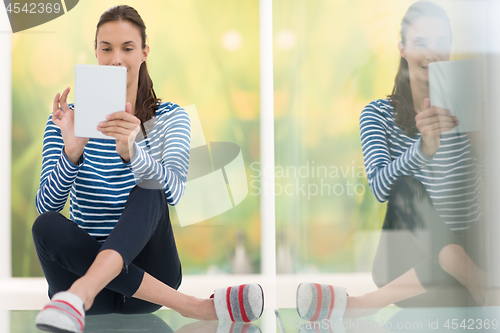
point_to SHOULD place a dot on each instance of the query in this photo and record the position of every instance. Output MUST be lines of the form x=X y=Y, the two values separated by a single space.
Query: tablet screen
x=99 y=90
x=456 y=86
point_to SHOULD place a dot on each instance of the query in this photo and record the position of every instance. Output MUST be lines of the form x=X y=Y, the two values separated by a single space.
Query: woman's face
x=428 y=40
x=119 y=44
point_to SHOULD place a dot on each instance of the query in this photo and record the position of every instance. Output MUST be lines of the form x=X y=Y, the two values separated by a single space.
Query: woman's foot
x=64 y=313
x=316 y=302
x=200 y=309
x=361 y=306
x=241 y=303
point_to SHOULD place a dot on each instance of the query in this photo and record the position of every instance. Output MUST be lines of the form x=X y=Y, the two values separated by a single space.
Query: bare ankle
x=201 y=309
x=85 y=293
x=361 y=306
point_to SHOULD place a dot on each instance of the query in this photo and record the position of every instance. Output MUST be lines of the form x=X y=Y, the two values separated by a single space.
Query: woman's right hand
x=64 y=119
x=431 y=122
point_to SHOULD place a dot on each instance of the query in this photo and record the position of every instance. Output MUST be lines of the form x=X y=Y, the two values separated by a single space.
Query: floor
x=390 y=319
x=21 y=299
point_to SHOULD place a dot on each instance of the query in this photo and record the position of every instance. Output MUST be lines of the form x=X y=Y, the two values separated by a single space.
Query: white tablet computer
x=457 y=86
x=99 y=90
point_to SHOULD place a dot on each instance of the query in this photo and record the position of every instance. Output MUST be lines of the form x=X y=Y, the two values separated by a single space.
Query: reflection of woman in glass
x=429 y=178
x=117 y=254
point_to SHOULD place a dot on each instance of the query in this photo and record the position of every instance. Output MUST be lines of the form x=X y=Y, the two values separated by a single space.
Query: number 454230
x=34 y=8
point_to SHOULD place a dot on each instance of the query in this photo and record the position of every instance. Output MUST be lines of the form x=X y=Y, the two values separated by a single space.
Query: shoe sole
x=50 y=328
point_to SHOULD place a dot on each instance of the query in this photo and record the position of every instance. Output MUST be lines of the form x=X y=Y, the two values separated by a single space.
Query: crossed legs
x=418 y=254
x=136 y=270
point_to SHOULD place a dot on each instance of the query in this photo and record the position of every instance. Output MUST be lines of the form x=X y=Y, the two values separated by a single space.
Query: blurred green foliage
x=194 y=59
x=331 y=58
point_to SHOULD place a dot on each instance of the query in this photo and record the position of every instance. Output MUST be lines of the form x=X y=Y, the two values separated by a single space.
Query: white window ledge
x=31 y=293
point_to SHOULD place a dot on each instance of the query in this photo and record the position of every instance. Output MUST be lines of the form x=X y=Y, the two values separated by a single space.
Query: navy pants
x=413 y=235
x=143 y=236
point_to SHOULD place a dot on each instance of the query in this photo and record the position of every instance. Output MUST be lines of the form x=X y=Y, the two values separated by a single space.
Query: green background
x=331 y=58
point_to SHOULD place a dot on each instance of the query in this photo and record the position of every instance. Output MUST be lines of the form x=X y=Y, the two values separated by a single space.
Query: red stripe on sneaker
x=332 y=301
x=242 y=305
x=318 y=304
x=68 y=304
x=48 y=306
x=228 y=303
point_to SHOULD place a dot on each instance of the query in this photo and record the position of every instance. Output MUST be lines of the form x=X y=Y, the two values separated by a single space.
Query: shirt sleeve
x=58 y=172
x=165 y=158
x=381 y=171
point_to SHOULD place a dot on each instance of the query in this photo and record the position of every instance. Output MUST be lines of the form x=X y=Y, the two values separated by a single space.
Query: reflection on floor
x=409 y=320
x=162 y=321
x=390 y=319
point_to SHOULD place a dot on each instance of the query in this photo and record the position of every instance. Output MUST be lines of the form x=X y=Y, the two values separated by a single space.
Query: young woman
x=431 y=234
x=117 y=252
x=430 y=178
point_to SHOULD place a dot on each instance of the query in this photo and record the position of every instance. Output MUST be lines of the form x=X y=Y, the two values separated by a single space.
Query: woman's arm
x=381 y=171
x=58 y=172
x=167 y=160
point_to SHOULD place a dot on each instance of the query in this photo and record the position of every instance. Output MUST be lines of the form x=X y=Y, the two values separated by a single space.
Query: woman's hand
x=65 y=120
x=124 y=127
x=431 y=122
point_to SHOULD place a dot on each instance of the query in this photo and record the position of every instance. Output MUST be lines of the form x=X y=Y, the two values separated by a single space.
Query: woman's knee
x=147 y=192
x=407 y=202
x=44 y=224
x=407 y=186
x=450 y=255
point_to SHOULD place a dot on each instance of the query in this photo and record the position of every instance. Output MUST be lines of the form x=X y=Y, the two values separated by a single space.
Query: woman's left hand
x=123 y=126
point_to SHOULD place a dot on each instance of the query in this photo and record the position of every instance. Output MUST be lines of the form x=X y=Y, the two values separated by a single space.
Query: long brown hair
x=401 y=98
x=146 y=102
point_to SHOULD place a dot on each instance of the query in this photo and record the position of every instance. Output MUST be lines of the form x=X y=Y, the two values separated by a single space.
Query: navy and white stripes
x=101 y=182
x=451 y=177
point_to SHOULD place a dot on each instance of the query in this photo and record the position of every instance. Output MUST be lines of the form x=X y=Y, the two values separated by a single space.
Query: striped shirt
x=451 y=177
x=101 y=181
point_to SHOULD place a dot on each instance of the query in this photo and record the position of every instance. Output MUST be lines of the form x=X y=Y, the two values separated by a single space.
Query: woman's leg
x=66 y=252
x=60 y=242
x=449 y=252
x=404 y=287
x=455 y=261
x=441 y=260
x=128 y=239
